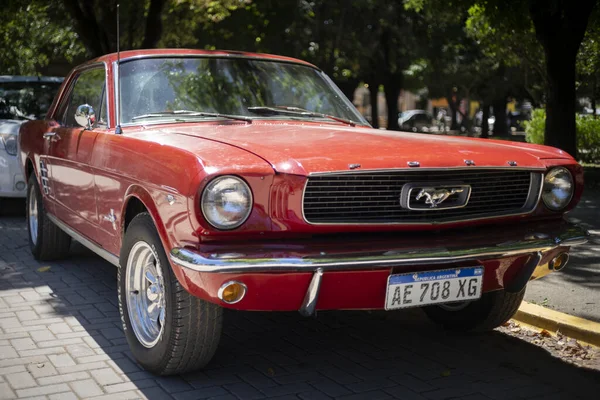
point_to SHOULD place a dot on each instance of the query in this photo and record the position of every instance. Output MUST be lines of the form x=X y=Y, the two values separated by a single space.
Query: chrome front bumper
x=482 y=243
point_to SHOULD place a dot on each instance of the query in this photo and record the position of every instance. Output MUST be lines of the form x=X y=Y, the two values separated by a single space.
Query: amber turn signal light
x=232 y=292
x=559 y=262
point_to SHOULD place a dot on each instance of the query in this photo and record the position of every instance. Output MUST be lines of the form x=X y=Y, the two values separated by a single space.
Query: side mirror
x=85 y=116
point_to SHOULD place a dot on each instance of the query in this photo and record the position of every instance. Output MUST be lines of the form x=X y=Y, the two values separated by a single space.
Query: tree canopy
x=484 y=50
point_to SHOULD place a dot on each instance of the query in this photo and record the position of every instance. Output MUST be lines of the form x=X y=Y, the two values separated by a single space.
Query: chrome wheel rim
x=145 y=294
x=455 y=306
x=32 y=215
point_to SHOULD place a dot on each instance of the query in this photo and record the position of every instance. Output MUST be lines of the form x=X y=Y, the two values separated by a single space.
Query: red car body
x=96 y=180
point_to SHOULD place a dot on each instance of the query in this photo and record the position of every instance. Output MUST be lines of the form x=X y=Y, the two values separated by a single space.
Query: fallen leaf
x=446 y=373
x=545 y=333
x=270 y=372
x=43 y=269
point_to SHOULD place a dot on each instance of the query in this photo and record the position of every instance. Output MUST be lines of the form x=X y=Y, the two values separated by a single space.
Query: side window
x=89 y=89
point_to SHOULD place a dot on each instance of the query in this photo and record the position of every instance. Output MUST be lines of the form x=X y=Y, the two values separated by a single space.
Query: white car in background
x=22 y=98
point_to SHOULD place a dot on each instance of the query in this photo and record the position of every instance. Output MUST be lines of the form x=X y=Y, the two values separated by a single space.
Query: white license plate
x=433 y=287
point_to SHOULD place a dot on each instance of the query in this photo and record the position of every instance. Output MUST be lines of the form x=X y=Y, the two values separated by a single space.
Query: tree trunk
x=500 y=125
x=453 y=109
x=485 y=115
x=373 y=97
x=594 y=88
x=392 y=92
x=92 y=35
x=560 y=104
x=348 y=88
x=560 y=27
x=154 y=26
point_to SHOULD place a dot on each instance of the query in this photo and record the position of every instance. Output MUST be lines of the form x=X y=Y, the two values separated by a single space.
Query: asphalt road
x=576 y=289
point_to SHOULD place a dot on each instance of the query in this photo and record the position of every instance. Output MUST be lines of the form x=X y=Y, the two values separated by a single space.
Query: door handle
x=52 y=136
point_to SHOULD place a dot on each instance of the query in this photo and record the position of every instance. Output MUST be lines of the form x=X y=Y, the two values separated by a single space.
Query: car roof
x=132 y=54
x=24 y=78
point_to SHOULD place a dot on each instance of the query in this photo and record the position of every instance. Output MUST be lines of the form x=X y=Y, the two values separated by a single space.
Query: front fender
x=167 y=221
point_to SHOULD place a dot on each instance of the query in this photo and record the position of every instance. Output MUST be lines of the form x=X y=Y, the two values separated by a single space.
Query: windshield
x=227 y=86
x=26 y=100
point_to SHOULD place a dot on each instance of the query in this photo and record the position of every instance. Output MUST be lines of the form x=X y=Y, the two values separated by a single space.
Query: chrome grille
x=374 y=197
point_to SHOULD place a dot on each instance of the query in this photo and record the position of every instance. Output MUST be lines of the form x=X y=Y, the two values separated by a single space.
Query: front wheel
x=485 y=314
x=169 y=330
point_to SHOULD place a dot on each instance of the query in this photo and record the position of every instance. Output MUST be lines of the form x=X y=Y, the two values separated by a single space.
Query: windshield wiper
x=297 y=111
x=188 y=113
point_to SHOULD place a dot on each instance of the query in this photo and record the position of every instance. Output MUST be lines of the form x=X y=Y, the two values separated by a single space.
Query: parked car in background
x=248 y=181
x=22 y=98
x=415 y=121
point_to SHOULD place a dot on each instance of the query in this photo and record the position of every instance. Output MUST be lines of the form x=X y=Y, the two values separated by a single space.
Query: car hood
x=10 y=126
x=304 y=148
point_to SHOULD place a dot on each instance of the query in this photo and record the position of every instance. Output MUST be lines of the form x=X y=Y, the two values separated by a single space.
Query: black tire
x=485 y=314
x=51 y=242
x=192 y=327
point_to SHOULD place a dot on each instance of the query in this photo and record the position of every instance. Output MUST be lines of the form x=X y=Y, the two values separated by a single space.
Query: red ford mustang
x=231 y=180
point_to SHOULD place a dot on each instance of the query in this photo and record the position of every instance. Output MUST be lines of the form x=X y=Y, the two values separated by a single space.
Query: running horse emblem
x=434 y=197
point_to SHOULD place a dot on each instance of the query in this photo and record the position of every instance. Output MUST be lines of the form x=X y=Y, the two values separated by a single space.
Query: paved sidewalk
x=61 y=338
x=576 y=289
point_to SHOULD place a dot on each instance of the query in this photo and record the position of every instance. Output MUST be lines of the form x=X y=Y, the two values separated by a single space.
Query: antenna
x=118 y=129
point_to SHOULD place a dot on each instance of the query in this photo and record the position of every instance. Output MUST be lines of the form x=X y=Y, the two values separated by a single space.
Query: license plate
x=433 y=287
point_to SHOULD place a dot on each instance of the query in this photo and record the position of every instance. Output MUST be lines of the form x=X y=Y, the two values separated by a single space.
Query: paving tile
x=43 y=390
x=20 y=380
x=313 y=395
x=173 y=384
x=8 y=352
x=244 y=391
x=12 y=369
x=106 y=376
x=61 y=360
x=27 y=315
x=86 y=388
x=63 y=396
x=42 y=336
x=206 y=393
x=126 y=386
x=41 y=369
x=6 y=392
x=80 y=350
x=60 y=328
x=23 y=344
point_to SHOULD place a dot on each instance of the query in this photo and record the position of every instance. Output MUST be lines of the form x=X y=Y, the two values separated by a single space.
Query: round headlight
x=226 y=202
x=10 y=144
x=558 y=188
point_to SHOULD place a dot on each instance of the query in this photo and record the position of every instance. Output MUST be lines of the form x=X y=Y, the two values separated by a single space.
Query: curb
x=569 y=325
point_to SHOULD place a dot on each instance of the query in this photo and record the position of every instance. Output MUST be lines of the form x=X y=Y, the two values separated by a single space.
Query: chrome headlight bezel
x=209 y=207
x=549 y=187
x=9 y=142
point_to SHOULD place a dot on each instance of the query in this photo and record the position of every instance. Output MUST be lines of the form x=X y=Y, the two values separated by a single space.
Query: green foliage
x=534 y=129
x=588 y=138
x=588 y=134
x=32 y=35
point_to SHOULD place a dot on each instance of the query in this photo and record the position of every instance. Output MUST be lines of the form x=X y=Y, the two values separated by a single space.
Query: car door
x=70 y=150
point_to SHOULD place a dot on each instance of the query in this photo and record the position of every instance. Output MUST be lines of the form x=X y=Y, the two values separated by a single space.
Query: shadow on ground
x=368 y=355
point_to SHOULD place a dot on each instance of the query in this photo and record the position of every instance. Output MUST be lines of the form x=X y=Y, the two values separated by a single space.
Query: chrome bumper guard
x=453 y=246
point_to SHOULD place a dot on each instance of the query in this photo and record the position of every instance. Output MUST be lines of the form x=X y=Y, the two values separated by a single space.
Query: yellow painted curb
x=569 y=325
